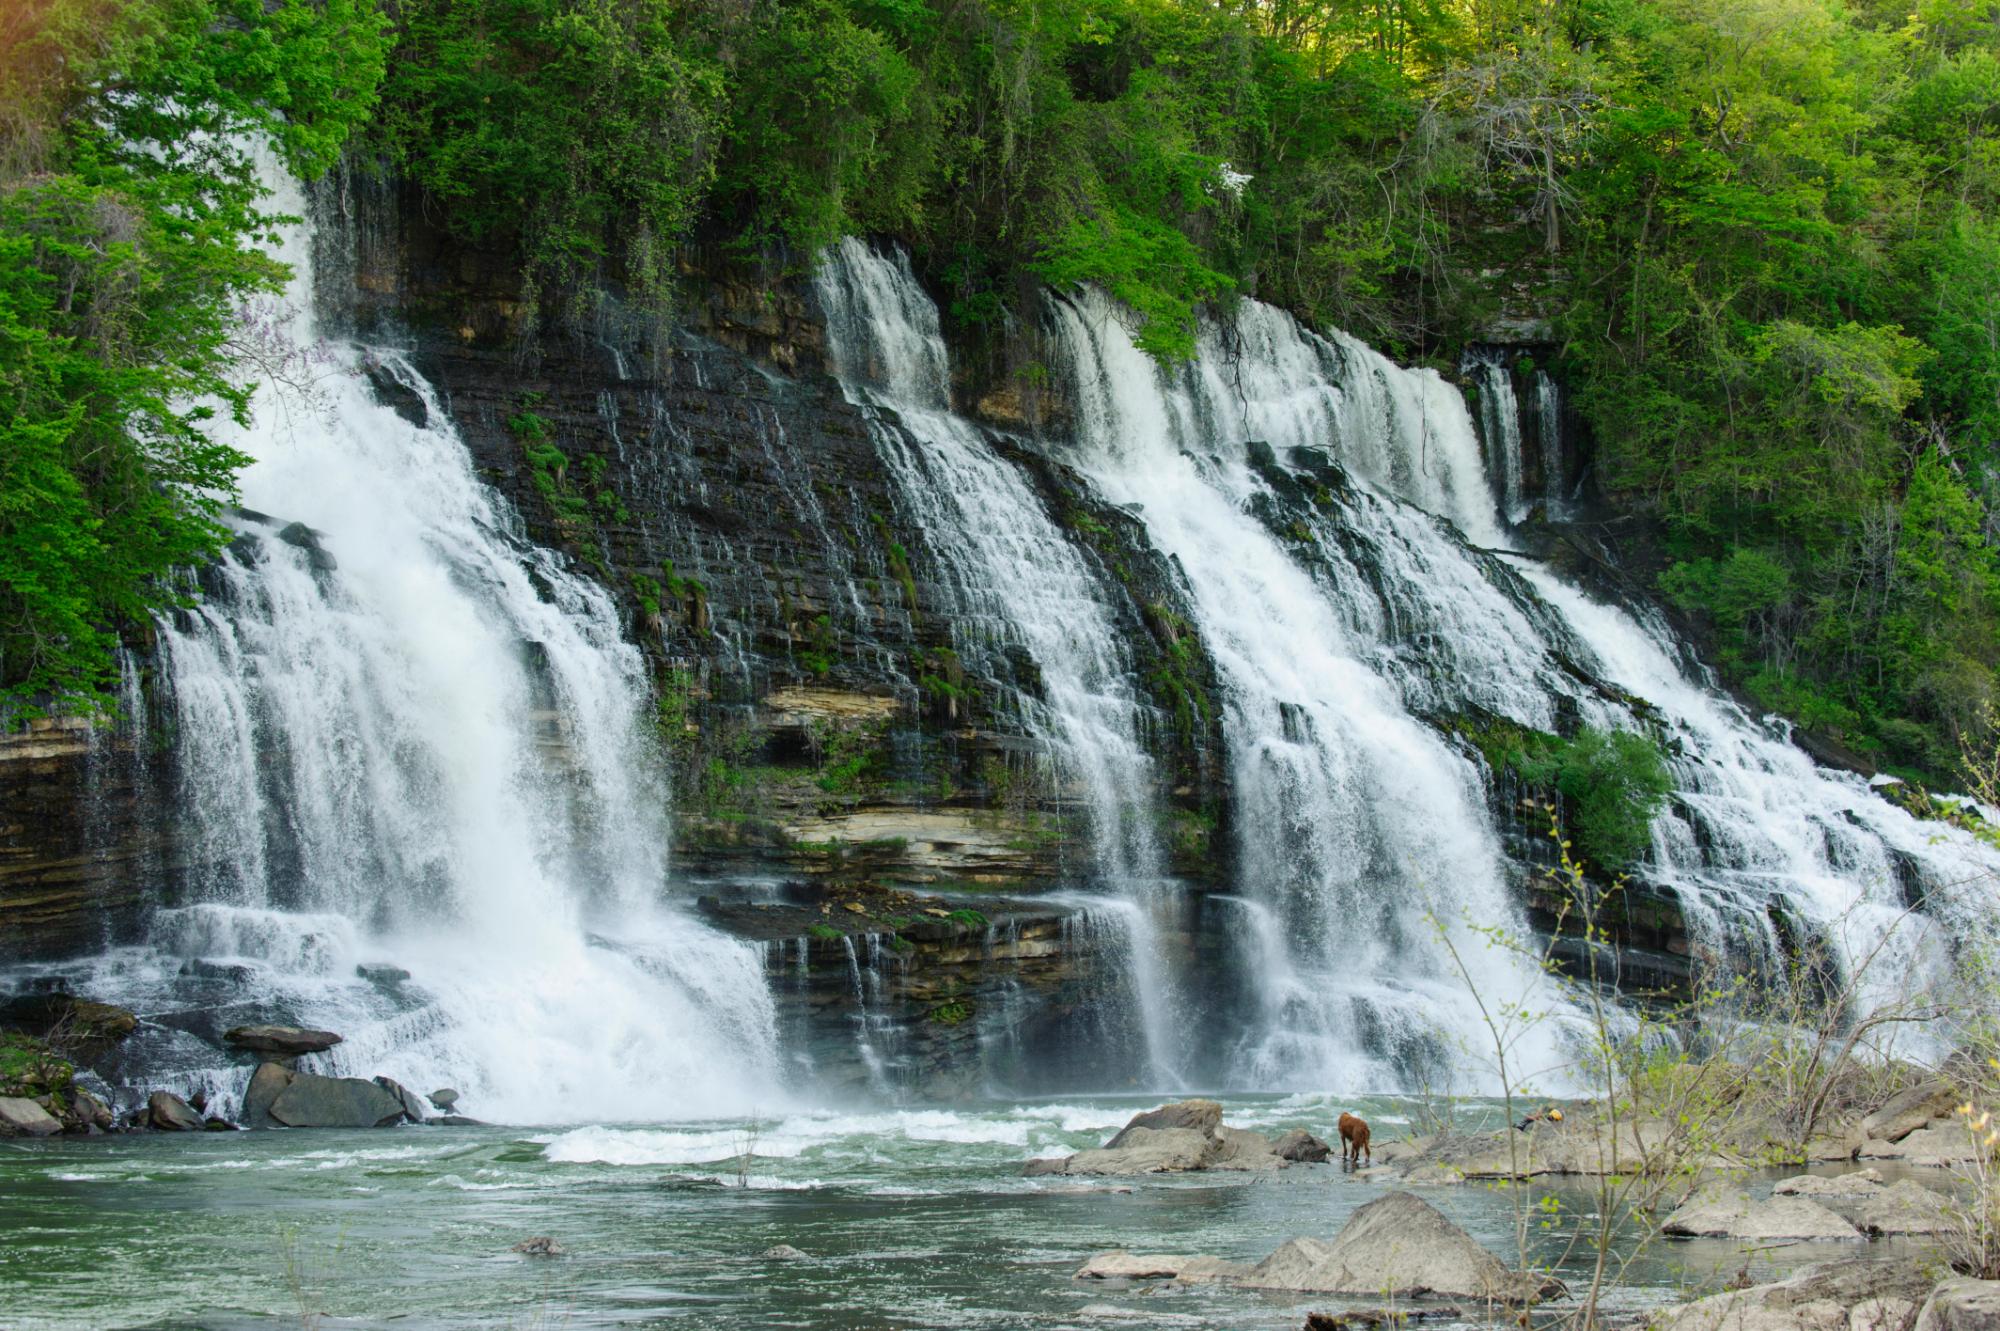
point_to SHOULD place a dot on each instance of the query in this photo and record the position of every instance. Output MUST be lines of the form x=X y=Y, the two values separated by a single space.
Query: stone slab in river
x=170 y=1113
x=335 y=1102
x=1718 y=1210
x=1397 y=1246
x=285 y=1041
x=1858 y=1294
x=1195 y=1270
x=1962 y=1305
x=25 y=1118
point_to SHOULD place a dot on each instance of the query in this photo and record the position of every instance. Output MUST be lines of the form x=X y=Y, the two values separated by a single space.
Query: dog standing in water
x=1354 y=1139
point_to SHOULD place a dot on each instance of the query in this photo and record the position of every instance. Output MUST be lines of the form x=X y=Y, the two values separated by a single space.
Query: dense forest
x=1767 y=233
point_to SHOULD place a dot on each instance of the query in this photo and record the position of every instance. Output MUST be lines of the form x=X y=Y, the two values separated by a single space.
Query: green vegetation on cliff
x=1765 y=235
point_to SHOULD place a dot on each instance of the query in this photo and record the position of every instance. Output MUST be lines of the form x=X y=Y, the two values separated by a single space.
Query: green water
x=911 y=1218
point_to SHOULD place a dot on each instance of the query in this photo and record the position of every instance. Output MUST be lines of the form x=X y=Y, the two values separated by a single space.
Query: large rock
x=1196 y=1270
x=444 y=1097
x=1858 y=1183
x=1905 y=1207
x=1943 y=1144
x=170 y=1113
x=335 y=1102
x=413 y=1105
x=1962 y=1305
x=1859 y=1294
x=1239 y=1148
x=1146 y=1151
x=1201 y=1116
x=25 y=1118
x=1301 y=1146
x=1397 y=1246
x=1906 y=1111
x=284 y=1041
x=1718 y=1210
x=266 y=1085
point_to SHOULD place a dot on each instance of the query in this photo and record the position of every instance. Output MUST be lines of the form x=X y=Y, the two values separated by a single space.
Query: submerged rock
x=170 y=1113
x=285 y=1041
x=24 y=1118
x=1122 y=1265
x=1718 y=1210
x=1858 y=1294
x=335 y=1102
x=783 y=1252
x=540 y=1246
x=1398 y=1246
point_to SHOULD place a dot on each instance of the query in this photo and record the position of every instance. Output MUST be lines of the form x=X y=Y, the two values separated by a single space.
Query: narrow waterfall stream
x=1015 y=579
x=421 y=804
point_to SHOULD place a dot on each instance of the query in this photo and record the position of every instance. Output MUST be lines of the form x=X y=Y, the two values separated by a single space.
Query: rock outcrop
x=1398 y=1246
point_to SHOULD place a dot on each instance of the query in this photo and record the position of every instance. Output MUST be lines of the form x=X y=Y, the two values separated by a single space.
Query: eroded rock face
x=1719 y=1210
x=1398 y=1246
x=335 y=1102
x=1854 y=1295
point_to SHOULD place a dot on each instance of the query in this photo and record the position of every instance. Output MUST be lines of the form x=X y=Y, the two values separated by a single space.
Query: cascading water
x=418 y=801
x=1015 y=579
x=1364 y=838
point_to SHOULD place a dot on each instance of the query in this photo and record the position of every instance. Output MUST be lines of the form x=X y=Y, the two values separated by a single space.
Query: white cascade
x=1364 y=841
x=1014 y=578
x=411 y=741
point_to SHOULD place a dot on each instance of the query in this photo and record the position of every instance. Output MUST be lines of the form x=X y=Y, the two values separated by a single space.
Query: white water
x=1364 y=842
x=1015 y=578
x=432 y=757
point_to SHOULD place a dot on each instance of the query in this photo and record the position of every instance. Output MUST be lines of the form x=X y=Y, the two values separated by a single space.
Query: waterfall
x=1500 y=425
x=1365 y=849
x=1548 y=427
x=418 y=799
x=1014 y=579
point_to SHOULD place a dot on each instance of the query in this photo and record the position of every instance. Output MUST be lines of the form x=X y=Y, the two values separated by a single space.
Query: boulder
x=1943 y=1144
x=284 y=1041
x=266 y=1085
x=1859 y=1294
x=1905 y=1207
x=1397 y=1246
x=1301 y=1146
x=1907 y=1110
x=90 y=1112
x=1859 y=1183
x=1201 y=1116
x=1238 y=1148
x=24 y=1118
x=170 y=1113
x=784 y=1252
x=444 y=1098
x=1145 y=1151
x=413 y=1106
x=1718 y=1210
x=335 y=1102
x=1962 y=1305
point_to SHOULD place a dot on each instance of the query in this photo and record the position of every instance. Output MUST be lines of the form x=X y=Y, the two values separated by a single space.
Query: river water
x=908 y=1218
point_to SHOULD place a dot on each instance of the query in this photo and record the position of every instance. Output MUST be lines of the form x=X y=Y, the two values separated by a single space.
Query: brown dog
x=1354 y=1139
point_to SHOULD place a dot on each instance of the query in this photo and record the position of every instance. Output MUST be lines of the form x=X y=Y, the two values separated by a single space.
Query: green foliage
x=968 y=918
x=825 y=932
x=1612 y=783
x=31 y=1068
x=952 y=1012
x=130 y=221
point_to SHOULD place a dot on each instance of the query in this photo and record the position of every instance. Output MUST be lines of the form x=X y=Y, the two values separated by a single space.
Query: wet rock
x=1718 y=1210
x=310 y=541
x=458 y=1121
x=382 y=974
x=1240 y=1149
x=1962 y=1305
x=335 y=1102
x=1943 y=1144
x=444 y=1097
x=1301 y=1146
x=266 y=1085
x=1122 y=1265
x=1905 y=1207
x=1200 y=1116
x=1858 y=1294
x=169 y=1113
x=232 y=972
x=413 y=1105
x=1397 y=1246
x=1859 y=1183
x=213 y=1124
x=24 y=1118
x=90 y=1112
x=1906 y=1111
x=784 y=1252
x=540 y=1246
x=285 y=1041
